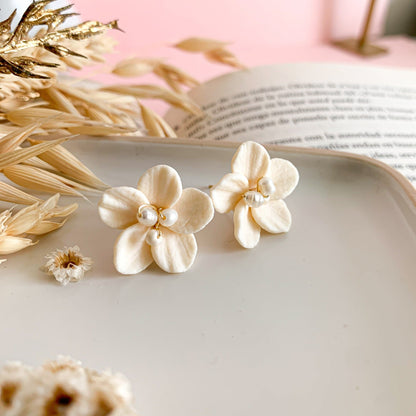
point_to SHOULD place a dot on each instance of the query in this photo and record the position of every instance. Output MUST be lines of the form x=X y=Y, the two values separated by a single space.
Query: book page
x=365 y=110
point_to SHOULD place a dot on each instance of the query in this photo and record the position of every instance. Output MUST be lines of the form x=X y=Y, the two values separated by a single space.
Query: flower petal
x=131 y=252
x=285 y=177
x=9 y=244
x=176 y=252
x=252 y=161
x=246 y=231
x=274 y=216
x=228 y=191
x=195 y=211
x=118 y=206
x=162 y=185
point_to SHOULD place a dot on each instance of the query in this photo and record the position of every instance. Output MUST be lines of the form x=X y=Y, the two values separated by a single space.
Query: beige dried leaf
x=225 y=57
x=100 y=130
x=39 y=180
x=135 y=67
x=56 y=118
x=25 y=219
x=16 y=137
x=45 y=227
x=88 y=99
x=33 y=220
x=11 y=244
x=150 y=122
x=154 y=124
x=63 y=160
x=60 y=212
x=156 y=92
x=199 y=44
x=59 y=101
x=19 y=155
x=37 y=163
x=9 y=193
x=97 y=115
x=175 y=77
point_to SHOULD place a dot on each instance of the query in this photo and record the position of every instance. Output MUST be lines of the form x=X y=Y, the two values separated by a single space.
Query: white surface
x=316 y=322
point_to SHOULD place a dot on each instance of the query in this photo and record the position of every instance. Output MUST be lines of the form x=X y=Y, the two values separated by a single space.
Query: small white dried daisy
x=67 y=265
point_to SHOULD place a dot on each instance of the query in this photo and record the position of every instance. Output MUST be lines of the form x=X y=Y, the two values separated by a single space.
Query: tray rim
x=400 y=179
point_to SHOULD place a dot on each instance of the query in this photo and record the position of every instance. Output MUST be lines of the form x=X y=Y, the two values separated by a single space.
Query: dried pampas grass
x=30 y=88
x=36 y=102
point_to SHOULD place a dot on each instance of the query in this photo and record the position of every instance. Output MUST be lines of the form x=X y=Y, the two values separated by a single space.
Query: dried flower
x=67 y=265
x=255 y=191
x=34 y=219
x=159 y=220
x=63 y=387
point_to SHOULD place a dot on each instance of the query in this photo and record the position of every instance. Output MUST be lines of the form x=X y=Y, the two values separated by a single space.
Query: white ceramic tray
x=318 y=322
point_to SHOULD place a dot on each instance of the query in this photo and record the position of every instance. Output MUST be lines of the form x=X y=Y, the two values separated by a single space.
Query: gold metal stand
x=360 y=46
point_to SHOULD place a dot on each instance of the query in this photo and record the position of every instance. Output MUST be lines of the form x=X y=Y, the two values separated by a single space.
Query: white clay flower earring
x=159 y=220
x=255 y=191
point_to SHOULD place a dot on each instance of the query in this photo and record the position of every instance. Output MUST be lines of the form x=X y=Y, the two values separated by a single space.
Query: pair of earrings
x=159 y=218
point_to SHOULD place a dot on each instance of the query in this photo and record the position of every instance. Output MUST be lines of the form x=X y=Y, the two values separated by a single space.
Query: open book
x=365 y=110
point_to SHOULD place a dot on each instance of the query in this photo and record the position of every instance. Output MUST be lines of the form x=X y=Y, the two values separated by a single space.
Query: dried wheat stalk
x=212 y=49
x=34 y=101
x=16 y=229
x=29 y=65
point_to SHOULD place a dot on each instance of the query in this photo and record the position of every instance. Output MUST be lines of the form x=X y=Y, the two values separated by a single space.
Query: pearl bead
x=266 y=186
x=154 y=237
x=168 y=217
x=147 y=216
x=254 y=199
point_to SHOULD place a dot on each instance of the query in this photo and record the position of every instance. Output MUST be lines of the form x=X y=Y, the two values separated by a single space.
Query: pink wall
x=270 y=23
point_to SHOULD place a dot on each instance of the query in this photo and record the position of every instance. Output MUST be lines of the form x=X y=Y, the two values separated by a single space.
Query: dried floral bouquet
x=37 y=104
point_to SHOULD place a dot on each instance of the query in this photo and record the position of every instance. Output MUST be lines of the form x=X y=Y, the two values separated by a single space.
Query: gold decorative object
x=20 y=39
x=361 y=46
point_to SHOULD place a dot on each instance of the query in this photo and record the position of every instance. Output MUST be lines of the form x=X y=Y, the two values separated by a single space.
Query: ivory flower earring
x=159 y=220
x=255 y=191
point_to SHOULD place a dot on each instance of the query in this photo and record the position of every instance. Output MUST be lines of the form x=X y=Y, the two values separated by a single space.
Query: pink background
x=260 y=31
x=270 y=23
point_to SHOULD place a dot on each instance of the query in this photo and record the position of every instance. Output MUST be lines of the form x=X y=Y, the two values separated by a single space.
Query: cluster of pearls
x=152 y=217
x=254 y=199
x=265 y=188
